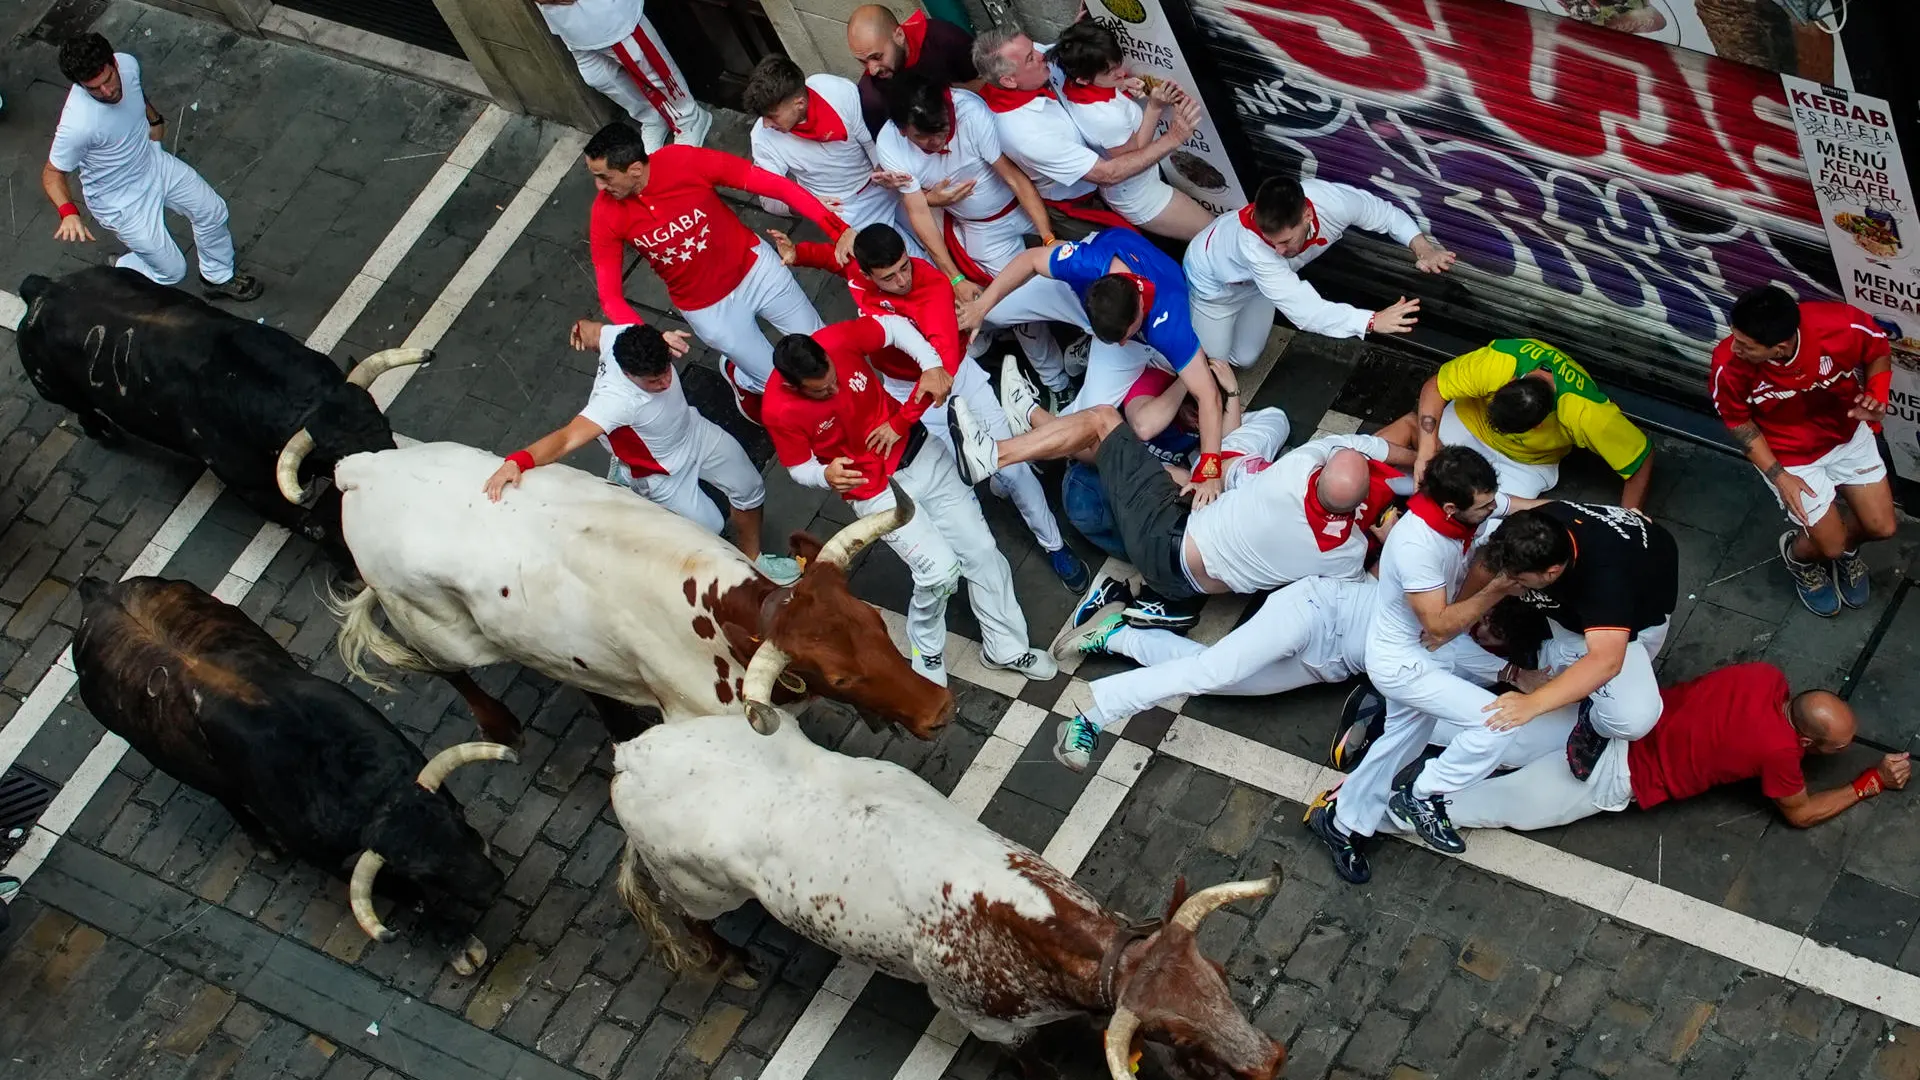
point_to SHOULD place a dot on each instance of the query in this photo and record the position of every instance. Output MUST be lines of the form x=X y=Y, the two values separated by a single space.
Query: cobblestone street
x=152 y=940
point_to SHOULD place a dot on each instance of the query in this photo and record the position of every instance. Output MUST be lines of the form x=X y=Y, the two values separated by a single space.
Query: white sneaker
x=694 y=128
x=932 y=666
x=780 y=569
x=979 y=454
x=1018 y=398
x=1033 y=663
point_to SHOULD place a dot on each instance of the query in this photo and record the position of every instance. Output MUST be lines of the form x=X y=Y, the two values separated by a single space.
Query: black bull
x=302 y=764
x=134 y=358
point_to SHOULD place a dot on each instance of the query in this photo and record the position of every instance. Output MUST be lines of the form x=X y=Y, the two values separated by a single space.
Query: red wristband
x=522 y=459
x=1867 y=784
x=68 y=210
x=1207 y=468
x=1880 y=386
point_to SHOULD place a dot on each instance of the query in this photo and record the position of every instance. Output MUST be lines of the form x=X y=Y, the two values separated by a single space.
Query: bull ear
x=1179 y=897
x=804 y=547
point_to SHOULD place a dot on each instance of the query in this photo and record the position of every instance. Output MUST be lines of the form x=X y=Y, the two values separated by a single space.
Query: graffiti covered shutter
x=1605 y=192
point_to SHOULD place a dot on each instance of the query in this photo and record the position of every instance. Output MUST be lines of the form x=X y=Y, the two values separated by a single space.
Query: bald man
x=1735 y=724
x=885 y=47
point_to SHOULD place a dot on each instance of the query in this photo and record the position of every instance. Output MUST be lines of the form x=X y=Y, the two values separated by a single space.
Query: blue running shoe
x=1851 y=575
x=1071 y=568
x=1813 y=581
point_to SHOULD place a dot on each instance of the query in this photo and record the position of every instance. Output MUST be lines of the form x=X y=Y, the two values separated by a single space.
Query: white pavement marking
x=13 y=310
x=260 y=551
x=1740 y=938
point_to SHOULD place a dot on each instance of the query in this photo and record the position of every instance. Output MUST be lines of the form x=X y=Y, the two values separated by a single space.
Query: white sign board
x=1200 y=167
x=1860 y=181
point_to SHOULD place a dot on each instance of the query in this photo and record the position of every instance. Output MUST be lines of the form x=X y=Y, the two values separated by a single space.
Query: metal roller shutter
x=1605 y=192
x=416 y=22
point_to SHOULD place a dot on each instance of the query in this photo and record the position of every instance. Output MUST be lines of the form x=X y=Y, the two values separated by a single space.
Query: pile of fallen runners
x=970 y=190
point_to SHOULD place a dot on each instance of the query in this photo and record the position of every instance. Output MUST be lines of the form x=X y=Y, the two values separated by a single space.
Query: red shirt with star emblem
x=927 y=304
x=802 y=428
x=1801 y=404
x=689 y=235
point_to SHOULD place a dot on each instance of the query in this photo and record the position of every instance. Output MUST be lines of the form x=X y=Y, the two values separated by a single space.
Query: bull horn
x=287 y=470
x=1120 y=1031
x=1207 y=901
x=366 y=371
x=360 y=896
x=848 y=541
x=465 y=753
x=769 y=660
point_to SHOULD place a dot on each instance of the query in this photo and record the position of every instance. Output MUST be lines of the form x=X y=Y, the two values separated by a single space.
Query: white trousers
x=140 y=221
x=1112 y=370
x=1544 y=793
x=1233 y=327
x=770 y=292
x=606 y=71
x=1517 y=478
x=1629 y=704
x=1259 y=438
x=946 y=540
x=1026 y=310
x=1293 y=640
x=1020 y=481
x=877 y=205
x=717 y=458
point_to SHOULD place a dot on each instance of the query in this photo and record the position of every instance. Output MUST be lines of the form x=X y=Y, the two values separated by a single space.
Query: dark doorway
x=716 y=43
x=416 y=22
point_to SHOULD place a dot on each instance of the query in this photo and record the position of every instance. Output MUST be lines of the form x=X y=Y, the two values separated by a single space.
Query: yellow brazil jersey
x=1583 y=416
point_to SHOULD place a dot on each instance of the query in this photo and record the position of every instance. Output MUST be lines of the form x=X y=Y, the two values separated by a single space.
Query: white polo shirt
x=970 y=155
x=1041 y=139
x=1414 y=559
x=588 y=25
x=108 y=144
x=1228 y=254
x=1256 y=536
x=650 y=433
x=840 y=170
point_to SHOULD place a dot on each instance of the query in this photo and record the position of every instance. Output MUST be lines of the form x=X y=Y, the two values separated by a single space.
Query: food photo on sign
x=1793 y=37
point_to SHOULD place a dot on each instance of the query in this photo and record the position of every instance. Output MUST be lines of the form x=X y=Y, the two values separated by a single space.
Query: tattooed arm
x=1792 y=489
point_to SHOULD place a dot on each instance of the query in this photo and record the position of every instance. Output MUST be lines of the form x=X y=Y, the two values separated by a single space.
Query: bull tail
x=33 y=285
x=679 y=953
x=360 y=634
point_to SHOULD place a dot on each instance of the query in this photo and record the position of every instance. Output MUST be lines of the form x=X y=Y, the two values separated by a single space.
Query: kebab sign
x=1860 y=181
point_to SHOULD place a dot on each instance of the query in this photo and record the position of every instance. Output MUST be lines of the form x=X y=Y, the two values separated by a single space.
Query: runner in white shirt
x=1247 y=263
x=114 y=137
x=941 y=149
x=810 y=130
x=1422 y=565
x=621 y=55
x=662 y=447
x=1039 y=134
x=1093 y=80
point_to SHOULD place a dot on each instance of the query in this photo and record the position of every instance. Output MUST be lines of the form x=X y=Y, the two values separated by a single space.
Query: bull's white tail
x=360 y=634
x=680 y=954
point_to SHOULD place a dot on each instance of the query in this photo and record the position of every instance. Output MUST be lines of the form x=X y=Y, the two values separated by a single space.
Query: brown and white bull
x=864 y=858
x=584 y=582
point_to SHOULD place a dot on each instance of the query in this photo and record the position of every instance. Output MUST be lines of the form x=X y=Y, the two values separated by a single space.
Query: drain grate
x=23 y=797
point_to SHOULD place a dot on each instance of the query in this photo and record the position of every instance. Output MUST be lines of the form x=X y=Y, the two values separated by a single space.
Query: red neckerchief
x=915 y=31
x=1313 y=225
x=1145 y=289
x=1429 y=511
x=822 y=124
x=1088 y=95
x=1330 y=529
x=1002 y=100
x=1379 y=492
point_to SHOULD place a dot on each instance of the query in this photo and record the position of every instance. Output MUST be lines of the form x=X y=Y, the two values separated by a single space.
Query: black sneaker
x=1348 y=860
x=1362 y=720
x=238 y=287
x=1428 y=817
x=1105 y=590
x=1152 y=612
x=1584 y=744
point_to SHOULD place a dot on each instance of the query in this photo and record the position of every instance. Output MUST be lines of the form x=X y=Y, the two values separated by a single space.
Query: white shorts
x=1517 y=479
x=1139 y=198
x=715 y=457
x=1854 y=463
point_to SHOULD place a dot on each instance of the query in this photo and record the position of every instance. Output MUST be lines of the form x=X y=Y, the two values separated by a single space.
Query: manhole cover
x=23 y=796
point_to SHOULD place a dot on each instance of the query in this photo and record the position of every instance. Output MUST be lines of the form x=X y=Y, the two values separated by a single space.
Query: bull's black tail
x=33 y=285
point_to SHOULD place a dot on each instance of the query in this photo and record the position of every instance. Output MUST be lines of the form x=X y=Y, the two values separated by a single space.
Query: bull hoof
x=470 y=959
x=735 y=974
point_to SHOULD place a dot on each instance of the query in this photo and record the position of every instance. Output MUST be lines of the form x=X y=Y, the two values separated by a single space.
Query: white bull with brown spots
x=588 y=584
x=864 y=858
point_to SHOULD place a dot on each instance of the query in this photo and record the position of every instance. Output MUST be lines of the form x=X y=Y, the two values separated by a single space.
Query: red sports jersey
x=802 y=428
x=1723 y=727
x=928 y=305
x=1801 y=405
x=689 y=235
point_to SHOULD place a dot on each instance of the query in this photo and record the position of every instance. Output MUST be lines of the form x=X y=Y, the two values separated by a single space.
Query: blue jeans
x=1087 y=510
